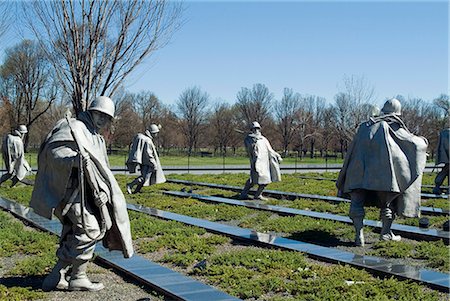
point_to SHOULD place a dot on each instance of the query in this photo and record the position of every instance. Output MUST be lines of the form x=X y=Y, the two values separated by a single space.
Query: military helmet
x=153 y=128
x=103 y=104
x=22 y=129
x=392 y=106
x=255 y=125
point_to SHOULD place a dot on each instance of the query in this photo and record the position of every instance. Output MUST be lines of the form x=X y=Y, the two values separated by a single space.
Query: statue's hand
x=101 y=199
x=86 y=160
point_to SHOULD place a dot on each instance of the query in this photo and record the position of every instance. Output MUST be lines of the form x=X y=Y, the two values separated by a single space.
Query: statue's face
x=256 y=130
x=100 y=119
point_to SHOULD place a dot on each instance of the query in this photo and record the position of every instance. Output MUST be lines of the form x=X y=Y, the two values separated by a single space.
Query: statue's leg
x=440 y=177
x=79 y=280
x=357 y=214
x=146 y=173
x=244 y=193
x=258 y=193
x=387 y=216
x=77 y=245
x=132 y=184
x=14 y=180
x=57 y=278
x=5 y=177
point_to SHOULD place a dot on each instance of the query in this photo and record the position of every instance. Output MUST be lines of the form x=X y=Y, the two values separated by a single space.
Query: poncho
x=57 y=158
x=385 y=156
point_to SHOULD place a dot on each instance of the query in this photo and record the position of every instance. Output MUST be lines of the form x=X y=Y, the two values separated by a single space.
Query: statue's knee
x=386 y=213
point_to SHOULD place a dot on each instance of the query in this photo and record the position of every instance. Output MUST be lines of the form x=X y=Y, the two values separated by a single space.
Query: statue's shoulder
x=142 y=137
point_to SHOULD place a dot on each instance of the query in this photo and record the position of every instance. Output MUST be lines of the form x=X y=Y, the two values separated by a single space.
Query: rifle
x=106 y=219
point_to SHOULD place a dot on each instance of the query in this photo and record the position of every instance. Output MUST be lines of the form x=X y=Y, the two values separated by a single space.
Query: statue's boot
x=130 y=185
x=139 y=187
x=14 y=181
x=57 y=278
x=5 y=177
x=437 y=190
x=258 y=193
x=359 y=232
x=79 y=280
x=386 y=220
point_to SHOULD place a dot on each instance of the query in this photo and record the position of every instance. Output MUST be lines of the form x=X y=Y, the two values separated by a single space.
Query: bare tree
x=5 y=20
x=315 y=106
x=351 y=106
x=94 y=45
x=148 y=106
x=443 y=103
x=286 y=117
x=169 y=136
x=27 y=80
x=192 y=106
x=254 y=104
x=222 y=125
x=124 y=124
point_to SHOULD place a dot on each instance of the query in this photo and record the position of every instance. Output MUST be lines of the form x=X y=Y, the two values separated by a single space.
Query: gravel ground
x=117 y=287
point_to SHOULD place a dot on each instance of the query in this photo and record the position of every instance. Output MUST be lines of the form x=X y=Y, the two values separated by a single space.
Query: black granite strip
x=294 y=195
x=161 y=279
x=380 y=266
x=405 y=230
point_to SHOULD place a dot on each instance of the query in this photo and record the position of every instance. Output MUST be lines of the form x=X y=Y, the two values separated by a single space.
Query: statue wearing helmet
x=143 y=154
x=392 y=106
x=384 y=162
x=264 y=162
x=13 y=154
x=75 y=183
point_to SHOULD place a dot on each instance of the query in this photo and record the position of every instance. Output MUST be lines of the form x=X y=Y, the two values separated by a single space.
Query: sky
x=398 y=47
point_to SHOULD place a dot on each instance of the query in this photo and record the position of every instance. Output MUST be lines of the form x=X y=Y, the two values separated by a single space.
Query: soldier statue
x=384 y=164
x=13 y=154
x=264 y=162
x=143 y=154
x=75 y=183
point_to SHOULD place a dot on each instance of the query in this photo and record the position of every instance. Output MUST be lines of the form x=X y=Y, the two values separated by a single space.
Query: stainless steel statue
x=442 y=157
x=384 y=163
x=75 y=183
x=143 y=154
x=13 y=154
x=264 y=162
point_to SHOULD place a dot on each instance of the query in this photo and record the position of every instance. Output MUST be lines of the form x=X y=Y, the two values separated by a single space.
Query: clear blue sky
x=400 y=47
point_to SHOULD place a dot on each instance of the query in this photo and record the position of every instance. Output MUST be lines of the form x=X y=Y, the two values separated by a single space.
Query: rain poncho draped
x=385 y=156
x=143 y=152
x=57 y=160
x=14 y=156
x=264 y=161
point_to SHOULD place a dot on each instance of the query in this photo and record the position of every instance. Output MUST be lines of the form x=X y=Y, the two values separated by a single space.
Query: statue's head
x=154 y=129
x=22 y=130
x=104 y=105
x=102 y=110
x=392 y=106
x=255 y=126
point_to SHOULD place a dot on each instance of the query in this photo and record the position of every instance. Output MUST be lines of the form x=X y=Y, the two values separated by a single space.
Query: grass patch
x=281 y=275
x=184 y=245
x=15 y=238
x=19 y=294
x=36 y=265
